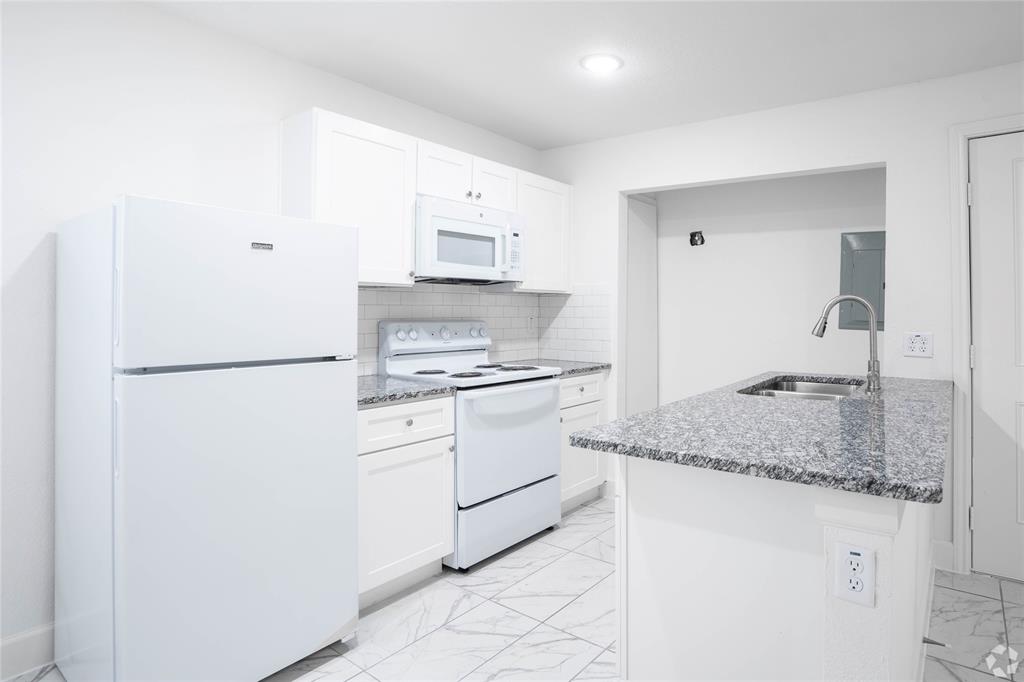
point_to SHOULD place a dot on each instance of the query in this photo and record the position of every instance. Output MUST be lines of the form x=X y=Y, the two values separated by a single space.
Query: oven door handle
x=483 y=393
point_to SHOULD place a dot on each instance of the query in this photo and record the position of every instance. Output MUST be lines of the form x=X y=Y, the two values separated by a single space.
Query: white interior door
x=234 y=519
x=202 y=285
x=997 y=327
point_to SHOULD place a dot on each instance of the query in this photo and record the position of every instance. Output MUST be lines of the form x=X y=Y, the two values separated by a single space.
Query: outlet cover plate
x=852 y=561
x=918 y=345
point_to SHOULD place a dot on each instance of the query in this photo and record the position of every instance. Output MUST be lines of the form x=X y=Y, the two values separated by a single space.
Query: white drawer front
x=394 y=425
x=582 y=389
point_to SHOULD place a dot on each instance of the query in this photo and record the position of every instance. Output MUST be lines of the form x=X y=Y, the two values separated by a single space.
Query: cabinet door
x=444 y=172
x=546 y=206
x=406 y=509
x=494 y=185
x=582 y=469
x=366 y=177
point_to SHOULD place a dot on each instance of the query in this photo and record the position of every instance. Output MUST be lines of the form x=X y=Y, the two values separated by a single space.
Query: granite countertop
x=569 y=367
x=376 y=389
x=892 y=445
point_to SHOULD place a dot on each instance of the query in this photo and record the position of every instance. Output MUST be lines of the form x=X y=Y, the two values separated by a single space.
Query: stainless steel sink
x=785 y=387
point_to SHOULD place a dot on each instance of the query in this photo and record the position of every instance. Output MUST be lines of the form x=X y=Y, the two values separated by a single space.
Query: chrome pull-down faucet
x=874 y=372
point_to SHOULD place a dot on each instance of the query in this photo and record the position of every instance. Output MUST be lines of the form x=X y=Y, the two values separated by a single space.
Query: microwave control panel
x=515 y=251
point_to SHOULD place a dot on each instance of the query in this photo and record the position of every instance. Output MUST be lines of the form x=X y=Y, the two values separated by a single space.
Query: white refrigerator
x=205 y=442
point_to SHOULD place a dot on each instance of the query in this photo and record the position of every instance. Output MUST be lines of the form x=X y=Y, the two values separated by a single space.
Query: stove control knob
x=400 y=335
x=473 y=332
x=446 y=333
x=483 y=332
x=413 y=335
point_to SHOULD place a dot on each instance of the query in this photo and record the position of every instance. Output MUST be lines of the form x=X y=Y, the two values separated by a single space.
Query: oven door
x=462 y=241
x=506 y=437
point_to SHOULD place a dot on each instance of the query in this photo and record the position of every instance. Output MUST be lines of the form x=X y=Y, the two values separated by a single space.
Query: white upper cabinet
x=450 y=174
x=444 y=172
x=340 y=170
x=494 y=185
x=546 y=206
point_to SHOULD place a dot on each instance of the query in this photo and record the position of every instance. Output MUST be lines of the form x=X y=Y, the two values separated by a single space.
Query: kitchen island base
x=729 y=576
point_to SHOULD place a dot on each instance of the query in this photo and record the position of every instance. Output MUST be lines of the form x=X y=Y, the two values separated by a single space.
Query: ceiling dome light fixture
x=601 y=64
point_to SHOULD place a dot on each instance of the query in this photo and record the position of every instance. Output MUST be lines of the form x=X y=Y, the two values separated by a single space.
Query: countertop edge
x=864 y=486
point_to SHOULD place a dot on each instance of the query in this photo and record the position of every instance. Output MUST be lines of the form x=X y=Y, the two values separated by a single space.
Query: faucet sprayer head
x=819 y=327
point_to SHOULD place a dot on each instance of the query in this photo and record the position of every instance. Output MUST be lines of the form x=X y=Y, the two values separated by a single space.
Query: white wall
x=904 y=128
x=640 y=329
x=103 y=99
x=745 y=301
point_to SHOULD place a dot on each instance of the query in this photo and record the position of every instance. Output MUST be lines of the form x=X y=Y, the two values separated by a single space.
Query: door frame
x=963 y=390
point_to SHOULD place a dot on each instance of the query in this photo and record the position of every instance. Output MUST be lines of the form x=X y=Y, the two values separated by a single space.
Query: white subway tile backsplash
x=523 y=326
x=508 y=316
x=577 y=326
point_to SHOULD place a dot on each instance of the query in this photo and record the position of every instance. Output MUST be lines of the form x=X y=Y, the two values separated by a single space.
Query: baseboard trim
x=28 y=650
x=942 y=554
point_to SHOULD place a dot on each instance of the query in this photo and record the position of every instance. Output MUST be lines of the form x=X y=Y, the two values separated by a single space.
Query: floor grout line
x=406 y=646
x=973 y=594
x=564 y=552
x=574 y=600
x=510 y=644
x=601 y=653
x=944 y=662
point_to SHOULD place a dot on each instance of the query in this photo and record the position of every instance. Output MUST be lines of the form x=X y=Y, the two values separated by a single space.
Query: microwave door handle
x=507 y=246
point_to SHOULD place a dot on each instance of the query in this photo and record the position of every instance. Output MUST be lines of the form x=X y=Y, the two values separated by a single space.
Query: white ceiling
x=512 y=67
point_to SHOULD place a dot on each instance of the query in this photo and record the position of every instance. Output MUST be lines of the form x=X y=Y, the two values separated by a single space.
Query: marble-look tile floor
x=544 y=610
x=980 y=619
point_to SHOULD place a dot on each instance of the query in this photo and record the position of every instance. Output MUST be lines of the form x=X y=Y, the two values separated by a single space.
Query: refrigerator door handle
x=117 y=306
x=116 y=439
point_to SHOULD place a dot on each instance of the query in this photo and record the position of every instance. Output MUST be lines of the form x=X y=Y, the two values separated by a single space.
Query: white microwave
x=463 y=242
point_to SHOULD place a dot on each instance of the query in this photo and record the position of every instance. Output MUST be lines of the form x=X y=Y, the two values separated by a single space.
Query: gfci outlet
x=917 y=344
x=855 y=574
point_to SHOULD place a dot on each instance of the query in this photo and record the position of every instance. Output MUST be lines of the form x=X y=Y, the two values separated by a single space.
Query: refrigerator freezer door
x=199 y=285
x=234 y=519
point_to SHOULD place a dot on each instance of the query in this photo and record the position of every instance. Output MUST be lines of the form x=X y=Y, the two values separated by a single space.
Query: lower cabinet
x=406 y=509
x=582 y=470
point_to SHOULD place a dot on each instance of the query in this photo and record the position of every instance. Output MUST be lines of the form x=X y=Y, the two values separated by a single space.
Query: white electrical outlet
x=855 y=574
x=917 y=344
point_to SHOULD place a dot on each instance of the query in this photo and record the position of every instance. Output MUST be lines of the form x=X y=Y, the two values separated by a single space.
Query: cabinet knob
x=451 y=448
x=477 y=195
x=581 y=389
x=561 y=419
x=469 y=194
x=412 y=273
x=408 y=422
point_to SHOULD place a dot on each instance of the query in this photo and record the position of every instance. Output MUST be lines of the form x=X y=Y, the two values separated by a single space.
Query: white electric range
x=507 y=433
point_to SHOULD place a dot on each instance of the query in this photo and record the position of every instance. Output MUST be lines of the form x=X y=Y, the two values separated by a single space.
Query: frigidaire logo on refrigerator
x=263 y=246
